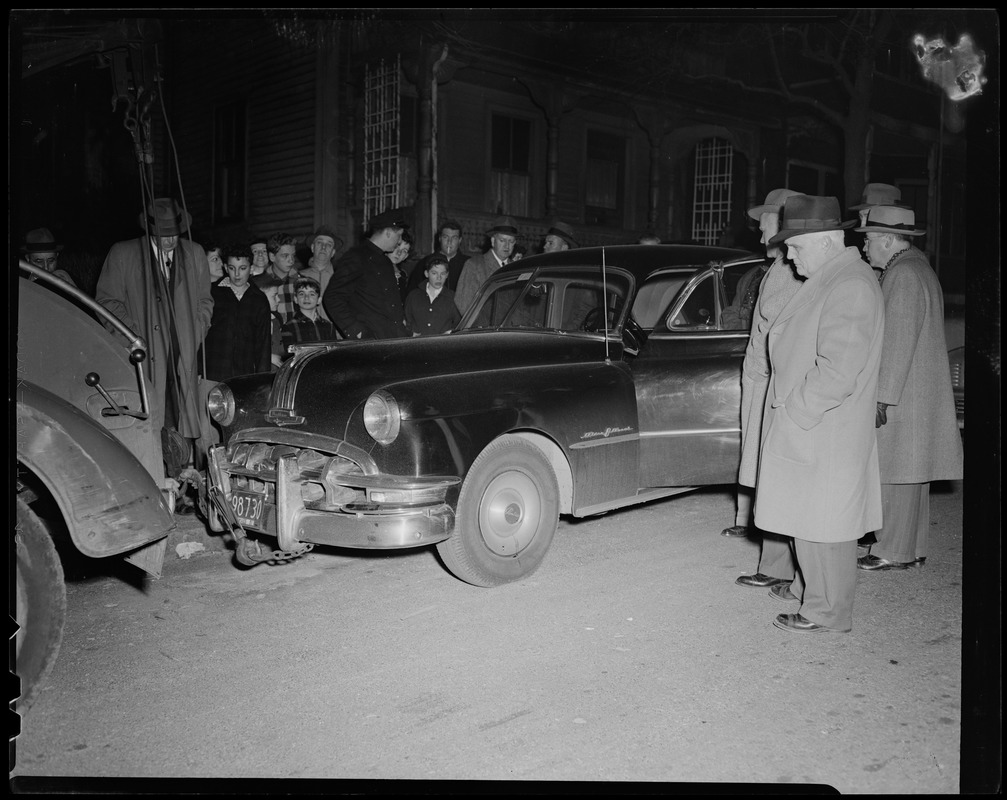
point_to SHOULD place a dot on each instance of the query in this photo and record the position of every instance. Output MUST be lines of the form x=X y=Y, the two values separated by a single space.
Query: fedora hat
x=40 y=240
x=393 y=218
x=164 y=217
x=809 y=214
x=879 y=194
x=891 y=219
x=505 y=225
x=563 y=231
x=774 y=202
x=323 y=230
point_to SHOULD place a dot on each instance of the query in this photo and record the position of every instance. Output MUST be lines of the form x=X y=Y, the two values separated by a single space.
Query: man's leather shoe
x=760 y=581
x=736 y=531
x=795 y=623
x=782 y=592
x=871 y=563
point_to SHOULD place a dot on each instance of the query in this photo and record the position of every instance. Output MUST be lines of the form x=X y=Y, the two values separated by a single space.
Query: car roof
x=639 y=259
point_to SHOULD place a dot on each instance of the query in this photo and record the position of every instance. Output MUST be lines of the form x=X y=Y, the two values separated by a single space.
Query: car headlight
x=382 y=417
x=220 y=404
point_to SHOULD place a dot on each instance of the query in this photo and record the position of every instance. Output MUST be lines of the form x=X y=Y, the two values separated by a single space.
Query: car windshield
x=567 y=299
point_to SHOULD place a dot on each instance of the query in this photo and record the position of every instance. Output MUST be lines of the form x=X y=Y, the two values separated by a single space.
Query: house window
x=711 y=202
x=382 y=174
x=229 y=165
x=604 y=178
x=510 y=165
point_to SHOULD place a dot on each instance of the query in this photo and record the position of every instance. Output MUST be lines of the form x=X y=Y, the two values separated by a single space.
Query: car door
x=688 y=388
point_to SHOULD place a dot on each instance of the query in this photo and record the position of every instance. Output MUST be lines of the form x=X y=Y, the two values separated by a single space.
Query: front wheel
x=41 y=604
x=508 y=510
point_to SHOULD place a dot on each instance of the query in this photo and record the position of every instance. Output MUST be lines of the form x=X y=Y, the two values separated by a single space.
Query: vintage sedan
x=579 y=382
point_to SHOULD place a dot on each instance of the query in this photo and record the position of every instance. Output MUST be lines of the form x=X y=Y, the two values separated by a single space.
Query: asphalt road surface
x=630 y=655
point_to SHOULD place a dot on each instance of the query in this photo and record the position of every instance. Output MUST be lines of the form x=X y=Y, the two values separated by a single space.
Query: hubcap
x=510 y=513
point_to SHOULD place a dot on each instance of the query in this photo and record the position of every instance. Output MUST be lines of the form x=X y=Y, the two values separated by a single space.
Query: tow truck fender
x=109 y=501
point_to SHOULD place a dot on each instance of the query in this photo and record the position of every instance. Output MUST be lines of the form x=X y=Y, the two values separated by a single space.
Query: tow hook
x=247 y=551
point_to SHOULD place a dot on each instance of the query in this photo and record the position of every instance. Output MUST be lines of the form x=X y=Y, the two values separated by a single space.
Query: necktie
x=167 y=268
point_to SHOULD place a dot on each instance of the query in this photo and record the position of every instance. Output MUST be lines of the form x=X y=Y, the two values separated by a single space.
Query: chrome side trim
x=690 y=432
x=672 y=336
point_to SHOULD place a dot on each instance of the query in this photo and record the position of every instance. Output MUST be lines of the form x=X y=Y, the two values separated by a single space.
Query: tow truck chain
x=248 y=551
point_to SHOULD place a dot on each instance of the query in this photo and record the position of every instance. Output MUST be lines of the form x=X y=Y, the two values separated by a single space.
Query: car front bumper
x=316 y=499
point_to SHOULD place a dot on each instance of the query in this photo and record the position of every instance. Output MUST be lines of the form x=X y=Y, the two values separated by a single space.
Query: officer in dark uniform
x=363 y=297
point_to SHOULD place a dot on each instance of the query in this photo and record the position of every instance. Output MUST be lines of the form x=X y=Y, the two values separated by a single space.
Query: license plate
x=248 y=508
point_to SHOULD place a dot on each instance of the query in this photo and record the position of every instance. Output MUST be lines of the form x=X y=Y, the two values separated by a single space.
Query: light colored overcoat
x=129 y=286
x=474 y=274
x=779 y=284
x=818 y=470
x=920 y=442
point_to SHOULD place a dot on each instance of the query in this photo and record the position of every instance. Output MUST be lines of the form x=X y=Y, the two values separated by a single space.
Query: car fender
x=109 y=501
x=449 y=420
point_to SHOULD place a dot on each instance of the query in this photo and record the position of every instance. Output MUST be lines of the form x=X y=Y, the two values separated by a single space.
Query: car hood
x=321 y=387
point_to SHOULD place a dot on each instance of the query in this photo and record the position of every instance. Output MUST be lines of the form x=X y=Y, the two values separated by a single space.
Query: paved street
x=629 y=656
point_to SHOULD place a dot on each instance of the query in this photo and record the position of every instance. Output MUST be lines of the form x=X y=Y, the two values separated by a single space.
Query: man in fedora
x=363 y=297
x=41 y=250
x=559 y=237
x=323 y=244
x=503 y=237
x=765 y=289
x=878 y=194
x=918 y=438
x=818 y=479
x=159 y=285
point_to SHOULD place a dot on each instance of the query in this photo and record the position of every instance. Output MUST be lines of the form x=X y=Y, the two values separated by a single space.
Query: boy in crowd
x=307 y=323
x=282 y=251
x=431 y=308
x=238 y=341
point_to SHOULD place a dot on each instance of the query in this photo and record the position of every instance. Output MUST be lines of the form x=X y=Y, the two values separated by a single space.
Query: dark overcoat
x=362 y=297
x=132 y=287
x=425 y=317
x=241 y=334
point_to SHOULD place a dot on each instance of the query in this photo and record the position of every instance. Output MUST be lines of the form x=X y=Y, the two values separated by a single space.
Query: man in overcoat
x=363 y=297
x=159 y=285
x=818 y=479
x=503 y=237
x=918 y=438
x=778 y=285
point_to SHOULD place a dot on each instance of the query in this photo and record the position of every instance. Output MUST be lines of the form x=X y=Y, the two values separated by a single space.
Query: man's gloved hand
x=881 y=415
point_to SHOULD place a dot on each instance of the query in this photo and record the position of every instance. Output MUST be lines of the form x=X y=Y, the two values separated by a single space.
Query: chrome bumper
x=375 y=527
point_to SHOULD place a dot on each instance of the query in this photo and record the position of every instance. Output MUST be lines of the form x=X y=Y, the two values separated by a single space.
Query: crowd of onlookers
x=272 y=292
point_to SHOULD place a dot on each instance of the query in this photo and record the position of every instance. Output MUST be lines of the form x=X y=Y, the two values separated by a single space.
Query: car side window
x=655 y=297
x=532 y=309
x=699 y=309
x=578 y=301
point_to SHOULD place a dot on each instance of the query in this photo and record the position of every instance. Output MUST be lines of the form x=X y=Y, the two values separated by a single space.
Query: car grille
x=252 y=468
